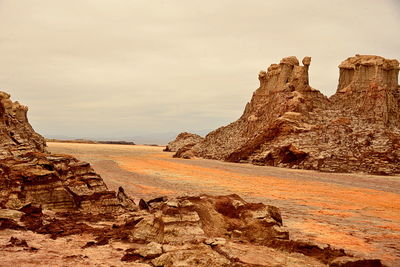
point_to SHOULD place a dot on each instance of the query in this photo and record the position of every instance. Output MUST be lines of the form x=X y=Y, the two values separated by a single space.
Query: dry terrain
x=360 y=213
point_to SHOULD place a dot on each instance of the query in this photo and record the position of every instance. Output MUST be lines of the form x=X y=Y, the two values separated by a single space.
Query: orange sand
x=354 y=217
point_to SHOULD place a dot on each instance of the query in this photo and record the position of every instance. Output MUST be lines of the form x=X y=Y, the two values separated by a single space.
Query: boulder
x=182 y=140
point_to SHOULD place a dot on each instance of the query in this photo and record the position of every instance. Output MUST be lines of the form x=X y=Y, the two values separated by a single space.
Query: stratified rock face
x=28 y=174
x=368 y=88
x=289 y=124
x=15 y=130
x=57 y=182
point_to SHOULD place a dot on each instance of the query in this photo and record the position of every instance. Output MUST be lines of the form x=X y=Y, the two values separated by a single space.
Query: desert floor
x=360 y=213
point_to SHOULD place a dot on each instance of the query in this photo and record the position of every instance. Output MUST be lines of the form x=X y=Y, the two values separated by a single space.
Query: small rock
x=143 y=205
x=215 y=241
x=355 y=262
x=157 y=200
x=186 y=203
x=281 y=232
x=275 y=214
x=173 y=203
x=148 y=229
x=237 y=203
x=16 y=242
x=150 y=251
x=236 y=233
x=10 y=214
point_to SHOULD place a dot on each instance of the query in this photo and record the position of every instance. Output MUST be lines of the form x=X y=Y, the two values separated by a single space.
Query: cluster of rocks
x=59 y=196
x=288 y=123
x=184 y=231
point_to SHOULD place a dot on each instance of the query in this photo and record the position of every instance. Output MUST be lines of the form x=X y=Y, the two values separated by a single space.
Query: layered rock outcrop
x=30 y=175
x=288 y=123
x=16 y=134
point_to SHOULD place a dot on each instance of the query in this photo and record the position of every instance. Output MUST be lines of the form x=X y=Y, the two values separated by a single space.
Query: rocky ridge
x=48 y=197
x=288 y=123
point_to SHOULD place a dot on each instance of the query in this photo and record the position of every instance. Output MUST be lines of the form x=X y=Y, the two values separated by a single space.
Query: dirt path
x=360 y=213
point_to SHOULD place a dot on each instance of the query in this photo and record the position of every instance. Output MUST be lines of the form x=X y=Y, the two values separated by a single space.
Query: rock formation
x=287 y=123
x=45 y=197
x=28 y=174
x=15 y=130
x=183 y=143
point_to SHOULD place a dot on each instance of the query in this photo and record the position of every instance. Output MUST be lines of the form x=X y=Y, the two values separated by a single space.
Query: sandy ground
x=360 y=213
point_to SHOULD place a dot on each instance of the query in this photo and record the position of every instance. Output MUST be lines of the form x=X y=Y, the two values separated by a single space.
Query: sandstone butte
x=47 y=197
x=289 y=124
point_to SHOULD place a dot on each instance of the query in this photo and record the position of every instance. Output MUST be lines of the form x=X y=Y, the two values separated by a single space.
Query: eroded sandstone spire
x=358 y=72
x=368 y=86
x=287 y=75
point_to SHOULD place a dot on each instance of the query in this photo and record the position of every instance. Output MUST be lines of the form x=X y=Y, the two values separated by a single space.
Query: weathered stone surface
x=186 y=140
x=15 y=129
x=287 y=123
x=261 y=256
x=150 y=251
x=28 y=174
x=10 y=214
x=219 y=231
x=354 y=262
x=150 y=228
x=54 y=181
x=125 y=200
x=368 y=88
x=10 y=219
x=199 y=255
x=224 y=232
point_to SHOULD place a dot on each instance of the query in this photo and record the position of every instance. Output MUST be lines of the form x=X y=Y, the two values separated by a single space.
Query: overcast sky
x=113 y=69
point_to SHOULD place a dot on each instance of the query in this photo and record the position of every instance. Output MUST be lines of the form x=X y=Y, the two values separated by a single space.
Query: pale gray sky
x=121 y=68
